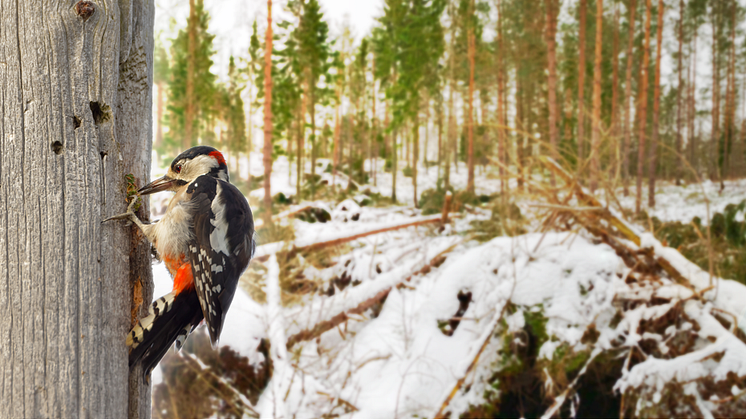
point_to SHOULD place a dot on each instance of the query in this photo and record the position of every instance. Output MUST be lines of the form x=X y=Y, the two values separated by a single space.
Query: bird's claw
x=129 y=215
x=124 y=216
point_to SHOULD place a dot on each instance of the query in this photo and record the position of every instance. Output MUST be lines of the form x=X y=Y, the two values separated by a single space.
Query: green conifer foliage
x=234 y=117
x=313 y=55
x=204 y=82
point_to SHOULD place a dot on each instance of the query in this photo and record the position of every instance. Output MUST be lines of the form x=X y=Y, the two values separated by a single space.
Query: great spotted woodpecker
x=206 y=239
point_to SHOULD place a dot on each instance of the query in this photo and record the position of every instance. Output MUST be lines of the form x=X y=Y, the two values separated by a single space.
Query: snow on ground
x=403 y=362
x=682 y=203
x=406 y=359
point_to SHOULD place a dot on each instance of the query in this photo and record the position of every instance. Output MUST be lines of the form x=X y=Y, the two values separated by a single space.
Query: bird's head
x=187 y=166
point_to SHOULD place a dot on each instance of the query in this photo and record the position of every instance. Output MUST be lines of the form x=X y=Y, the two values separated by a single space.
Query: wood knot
x=85 y=9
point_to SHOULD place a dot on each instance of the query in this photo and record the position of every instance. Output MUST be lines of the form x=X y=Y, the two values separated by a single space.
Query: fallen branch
x=263 y=251
x=559 y=401
x=431 y=219
x=589 y=221
x=324 y=326
x=285 y=214
x=590 y=200
x=473 y=364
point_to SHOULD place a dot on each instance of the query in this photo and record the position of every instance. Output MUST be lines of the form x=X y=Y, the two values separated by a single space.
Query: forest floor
x=540 y=307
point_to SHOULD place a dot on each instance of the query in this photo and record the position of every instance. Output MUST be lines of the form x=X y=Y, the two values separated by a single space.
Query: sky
x=231 y=20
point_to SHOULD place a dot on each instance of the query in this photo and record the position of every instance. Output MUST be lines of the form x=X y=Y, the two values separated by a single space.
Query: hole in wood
x=101 y=112
x=57 y=147
x=76 y=122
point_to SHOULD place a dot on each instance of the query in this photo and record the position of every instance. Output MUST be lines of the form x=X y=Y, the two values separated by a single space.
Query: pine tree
x=314 y=55
x=715 y=131
x=234 y=117
x=596 y=117
x=339 y=58
x=642 y=111
x=652 y=163
x=551 y=31
x=253 y=70
x=192 y=85
x=614 y=123
x=679 y=94
x=267 y=160
x=161 y=75
x=627 y=139
x=581 y=82
x=471 y=48
x=412 y=41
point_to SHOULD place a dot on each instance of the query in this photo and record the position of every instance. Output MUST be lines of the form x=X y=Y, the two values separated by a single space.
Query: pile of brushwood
x=675 y=344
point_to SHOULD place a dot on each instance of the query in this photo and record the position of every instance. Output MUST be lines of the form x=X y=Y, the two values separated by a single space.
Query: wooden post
x=76 y=87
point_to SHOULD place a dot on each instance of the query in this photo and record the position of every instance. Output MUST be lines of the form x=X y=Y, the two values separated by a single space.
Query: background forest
x=484 y=83
x=372 y=158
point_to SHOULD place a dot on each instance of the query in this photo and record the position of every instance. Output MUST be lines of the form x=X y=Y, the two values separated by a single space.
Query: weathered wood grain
x=75 y=117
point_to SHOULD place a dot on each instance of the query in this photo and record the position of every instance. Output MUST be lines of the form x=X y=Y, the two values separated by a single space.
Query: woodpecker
x=206 y=239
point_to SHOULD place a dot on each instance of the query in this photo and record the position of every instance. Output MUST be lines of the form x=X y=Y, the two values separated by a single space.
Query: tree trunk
x=730 y=101
x=76 y=105
x=395 y=167
x=267 y=158
x=451 y=133
x=568 y=115
x=470 y=116
x=627 y=99
x=614 y=123
x=300 y=144
x=350 y=144
x=653 y=163
x=439 y=115
x=415 y=152
x=387 y=133
x=337 y=132
x=160 y=107
x=501 y=153
x=693 y=139
x=520 y=94
x=679 y=161
x=374 y=125
x=596 y=119
x=190 y=107
x=715 y=98
x=312 y=137
x=643 y=103
x=250 y=129
x=427 y=138
x=551 y=32
x=581 y=84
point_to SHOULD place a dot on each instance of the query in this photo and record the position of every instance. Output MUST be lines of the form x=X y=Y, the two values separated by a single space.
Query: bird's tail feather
x=171 y=319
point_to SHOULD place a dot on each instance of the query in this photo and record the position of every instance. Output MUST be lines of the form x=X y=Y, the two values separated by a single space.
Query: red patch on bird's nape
x=218 y=156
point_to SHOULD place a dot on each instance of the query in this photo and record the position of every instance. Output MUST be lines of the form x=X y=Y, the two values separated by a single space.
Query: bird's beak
x=158 y=185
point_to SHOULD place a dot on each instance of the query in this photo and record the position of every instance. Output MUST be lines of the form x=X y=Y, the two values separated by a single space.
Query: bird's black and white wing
x=222 y=225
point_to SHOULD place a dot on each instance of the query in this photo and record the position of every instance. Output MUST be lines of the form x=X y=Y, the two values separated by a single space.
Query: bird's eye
x=178 y=168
